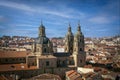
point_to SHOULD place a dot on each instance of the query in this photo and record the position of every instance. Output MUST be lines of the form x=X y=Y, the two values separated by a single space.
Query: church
x=44 y=57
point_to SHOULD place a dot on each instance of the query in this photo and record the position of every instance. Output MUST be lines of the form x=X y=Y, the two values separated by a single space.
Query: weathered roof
x=68 y=73
x=8 y=54
x=14 y=67
x=46 y=56
x=73 y=75
x=2 y=77
x=46 y=76
x=62 y=54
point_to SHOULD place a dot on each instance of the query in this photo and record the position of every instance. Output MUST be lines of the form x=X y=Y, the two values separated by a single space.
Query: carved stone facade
x=69 y=38
x=74 y=54
x=42 y=45
x=78 y=48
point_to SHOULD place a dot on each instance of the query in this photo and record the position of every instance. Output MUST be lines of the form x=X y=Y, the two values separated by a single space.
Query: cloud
x=56 y=15
x=16 y=5
x=99 y=20
x=69 y=13
x=102 y=30
x=25 y=25
x=55 y=23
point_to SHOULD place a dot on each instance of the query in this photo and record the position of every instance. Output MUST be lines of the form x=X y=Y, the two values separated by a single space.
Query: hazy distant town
x=102 y=55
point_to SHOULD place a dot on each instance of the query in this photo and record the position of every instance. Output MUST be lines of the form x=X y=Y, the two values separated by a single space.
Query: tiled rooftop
x=14 y=67
x=7 y=54
x=73 y=75
x=46 y=76
x=46 y=56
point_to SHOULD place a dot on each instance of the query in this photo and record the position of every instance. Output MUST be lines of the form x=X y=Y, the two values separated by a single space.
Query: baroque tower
x=42 y=45
x=78 y=48
x=69 y=41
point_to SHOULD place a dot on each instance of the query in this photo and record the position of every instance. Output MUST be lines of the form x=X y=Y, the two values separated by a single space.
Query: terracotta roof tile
x=14 y=67
x=68 y=73
x=2 y=78
x=73 y=75
x=47 y=76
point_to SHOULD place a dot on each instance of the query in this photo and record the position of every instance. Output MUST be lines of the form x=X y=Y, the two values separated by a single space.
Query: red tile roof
x=2 y=78
x=73 y=75
x=14 y=67
x=70 y=72
x=46 y=76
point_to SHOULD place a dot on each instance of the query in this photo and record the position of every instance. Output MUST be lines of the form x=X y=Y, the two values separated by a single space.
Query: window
x=20 y=59
x=47 y=63
x=6 y=60
x=80 y=61
x=45 y=50
x=23 y=59
x=33 y=64
x=13 y=59
x=80 y=49
x=80 y=40
x=71 y=62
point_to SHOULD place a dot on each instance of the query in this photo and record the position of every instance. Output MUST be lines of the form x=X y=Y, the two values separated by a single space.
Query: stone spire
x=79 y=29
x=42 y=30
x=69 y=30
x=78 y=48
x=69 y=41
x=79 y=40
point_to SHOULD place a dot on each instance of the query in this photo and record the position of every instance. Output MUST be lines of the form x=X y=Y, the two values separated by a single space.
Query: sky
x=97 y=18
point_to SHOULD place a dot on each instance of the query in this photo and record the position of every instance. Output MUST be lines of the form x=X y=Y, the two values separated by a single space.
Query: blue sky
x=98 y=18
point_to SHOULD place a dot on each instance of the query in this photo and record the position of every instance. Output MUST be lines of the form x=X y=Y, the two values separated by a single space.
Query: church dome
x=42 y=40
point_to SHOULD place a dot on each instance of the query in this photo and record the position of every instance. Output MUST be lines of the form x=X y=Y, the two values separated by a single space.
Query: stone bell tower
x=41 y=31
x=78 y=48
x=69 y=41
x=42 y=45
